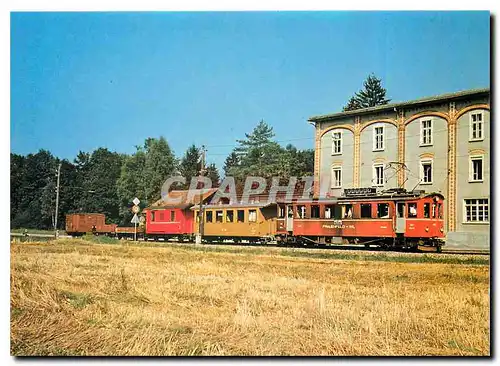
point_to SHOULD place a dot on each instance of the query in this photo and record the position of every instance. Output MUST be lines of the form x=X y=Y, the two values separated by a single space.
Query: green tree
x=352 y=104
x=213 y=174
x=34 y=174
x=159 y=165
x=99 y=193
x=131 y=184
x=190 y=164
x=231 y=162
x=371 y=95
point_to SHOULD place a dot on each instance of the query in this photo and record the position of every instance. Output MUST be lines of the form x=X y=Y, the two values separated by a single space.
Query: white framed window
x=476 y=210
x=336 y=177
x=476 y=168
x=426 y=132
x=336 y=142
x=378 y=175
x=378 y=137
x=476 y=131
x=426 y=171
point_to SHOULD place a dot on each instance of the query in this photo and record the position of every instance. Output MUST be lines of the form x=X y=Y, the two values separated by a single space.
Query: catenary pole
x=57 y=199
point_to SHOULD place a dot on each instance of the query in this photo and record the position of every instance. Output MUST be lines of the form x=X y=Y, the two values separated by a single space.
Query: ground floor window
x=476 y=210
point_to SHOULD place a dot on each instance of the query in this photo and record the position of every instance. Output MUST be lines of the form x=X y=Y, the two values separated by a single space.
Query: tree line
x=104 y=181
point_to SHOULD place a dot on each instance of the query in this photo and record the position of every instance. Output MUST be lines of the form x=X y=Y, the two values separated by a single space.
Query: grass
x=36 y=231
x=75 y=297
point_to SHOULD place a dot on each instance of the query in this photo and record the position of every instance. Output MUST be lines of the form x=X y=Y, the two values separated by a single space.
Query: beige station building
x=437 y=144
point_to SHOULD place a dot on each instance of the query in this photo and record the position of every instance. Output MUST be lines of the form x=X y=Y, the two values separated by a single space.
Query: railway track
x=317 y=246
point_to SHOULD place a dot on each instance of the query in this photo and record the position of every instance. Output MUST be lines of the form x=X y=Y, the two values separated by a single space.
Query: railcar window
x=314 y=211
x=241 y=216
x=197 y=216
x=252 y=215
x=434 y=209
x=301 y=212
x=281 y=212
x=440 y=211
x=412 y=210
x=209 y=216
x=366 y=210
x=337 y=212
x=172 y=215
x=153 y=216
x=383 y=210
x=347 y=211
x=218 y=216
x=229 y=216
x=427 y=210
x=328 y=211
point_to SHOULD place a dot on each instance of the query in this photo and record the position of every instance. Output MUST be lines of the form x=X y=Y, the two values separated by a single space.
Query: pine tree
x=213 y=174
x=232 y=162
x=371 y=95
x=352 y=105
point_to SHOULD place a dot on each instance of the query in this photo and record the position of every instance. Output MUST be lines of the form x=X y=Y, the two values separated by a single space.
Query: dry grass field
x=73 y=297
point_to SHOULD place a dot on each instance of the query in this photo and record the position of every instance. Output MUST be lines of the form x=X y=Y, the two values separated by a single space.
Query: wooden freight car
x=88 y=223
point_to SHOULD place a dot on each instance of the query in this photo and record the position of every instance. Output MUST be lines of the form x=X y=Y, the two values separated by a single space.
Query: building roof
x=392 y=106
x=182 y=198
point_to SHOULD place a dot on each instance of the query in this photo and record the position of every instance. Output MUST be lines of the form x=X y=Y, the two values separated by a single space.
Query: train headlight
x=427 y=229
x=442 y=230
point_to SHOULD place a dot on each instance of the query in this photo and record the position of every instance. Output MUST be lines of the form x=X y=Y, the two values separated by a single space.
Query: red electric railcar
x=394 y=219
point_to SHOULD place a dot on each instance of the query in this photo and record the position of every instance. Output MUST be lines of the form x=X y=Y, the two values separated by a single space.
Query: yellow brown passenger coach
x=255 y=222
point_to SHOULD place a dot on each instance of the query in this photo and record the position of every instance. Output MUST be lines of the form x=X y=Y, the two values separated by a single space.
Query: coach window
x=240 y=215
x=401 y=209
x=366 y=210
x=209 y=216
x=281 y=212
x=383 y=210
x=328 y=211
x=218 y=216
x=337 y=212
x=252 y=215
x=301 y=212
x=172 y=215
x=197 y=216
x=347 y=214
x=153 y=216
x=412 y=210
x=314 y=212
x=440 y=211
x=229 y=215
x=427 y=210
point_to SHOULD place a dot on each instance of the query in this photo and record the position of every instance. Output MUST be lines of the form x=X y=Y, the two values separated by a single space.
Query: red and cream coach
x=390 y=219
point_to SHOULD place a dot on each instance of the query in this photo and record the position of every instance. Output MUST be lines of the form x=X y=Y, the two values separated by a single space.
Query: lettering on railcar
x=337 y=224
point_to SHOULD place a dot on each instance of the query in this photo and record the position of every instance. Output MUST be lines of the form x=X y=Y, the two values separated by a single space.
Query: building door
x=400 y=218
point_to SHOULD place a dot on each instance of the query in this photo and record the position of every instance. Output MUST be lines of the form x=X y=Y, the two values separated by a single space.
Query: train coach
x=392 y=219
x=252 y=222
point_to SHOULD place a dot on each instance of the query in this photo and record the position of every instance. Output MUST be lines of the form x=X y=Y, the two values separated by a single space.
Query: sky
x=81 y=80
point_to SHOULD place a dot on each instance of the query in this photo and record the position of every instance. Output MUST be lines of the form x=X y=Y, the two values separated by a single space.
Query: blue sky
x=85 y=80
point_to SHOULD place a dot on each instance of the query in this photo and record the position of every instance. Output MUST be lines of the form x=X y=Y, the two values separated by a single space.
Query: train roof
x=237 y=205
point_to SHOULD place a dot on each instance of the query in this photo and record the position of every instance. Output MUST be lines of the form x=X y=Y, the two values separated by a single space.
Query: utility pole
x=56 y=234
x=200 y=213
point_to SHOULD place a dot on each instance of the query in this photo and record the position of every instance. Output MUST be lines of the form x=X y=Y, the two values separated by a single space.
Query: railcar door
x=400 y=218
x=289 y=218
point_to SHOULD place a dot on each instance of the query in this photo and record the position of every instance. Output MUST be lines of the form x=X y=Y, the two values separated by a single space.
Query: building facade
x=438 y=144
